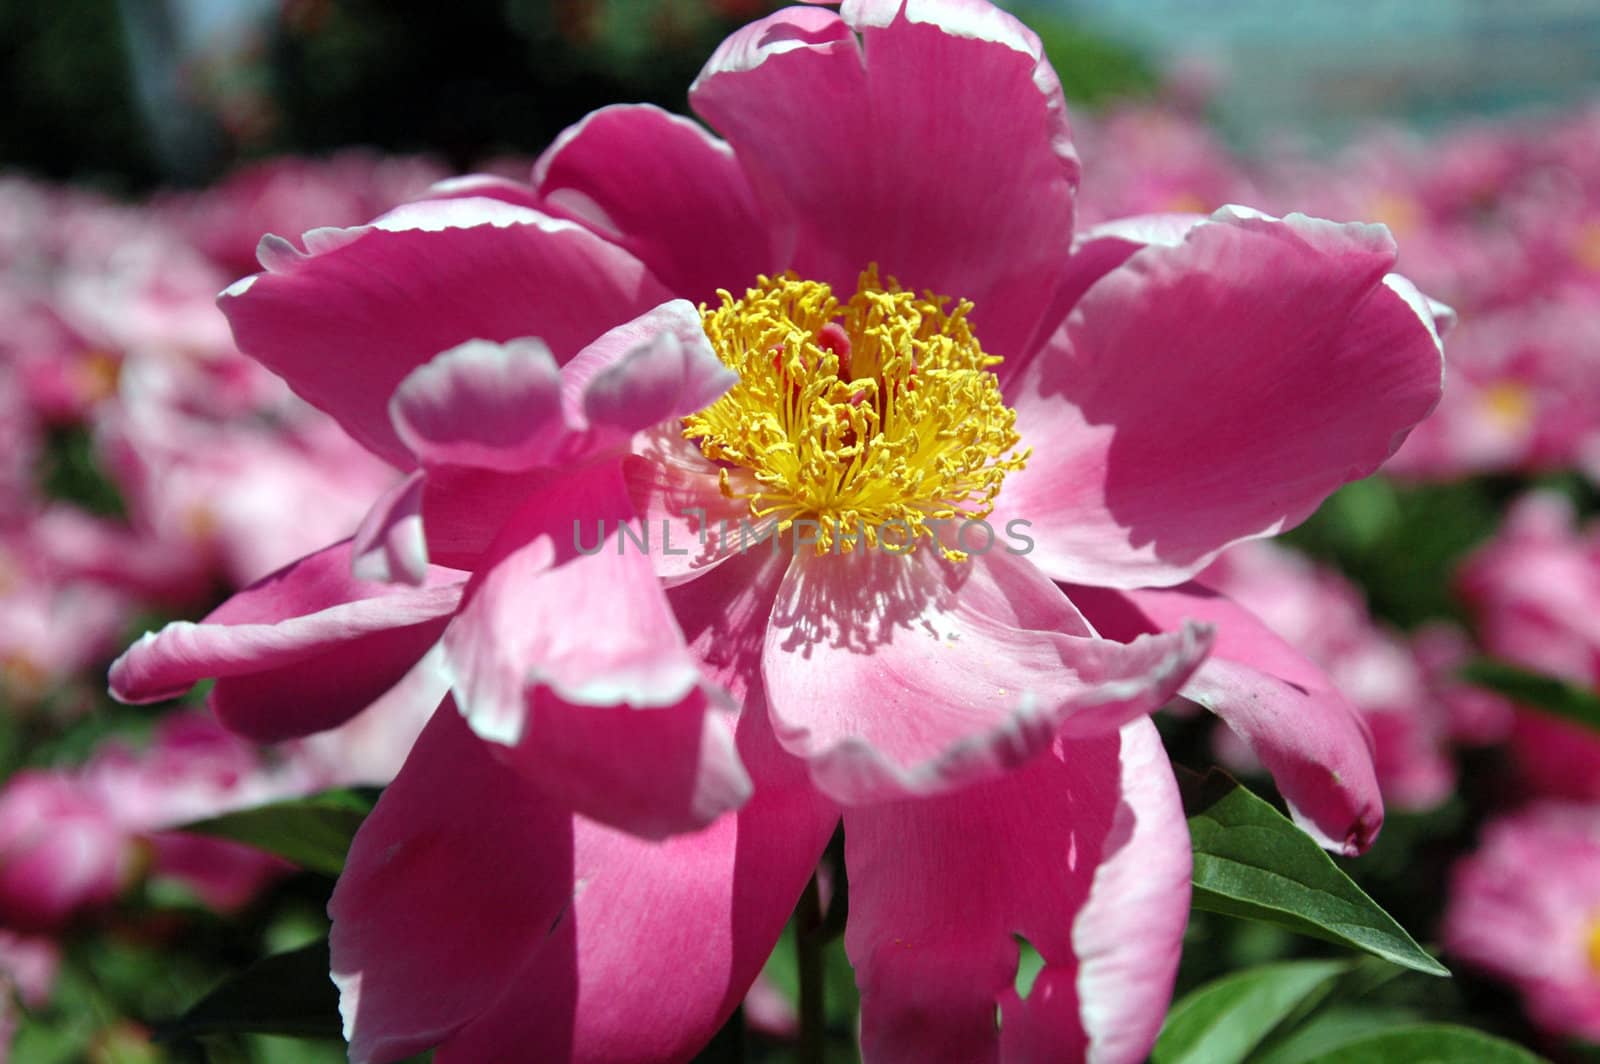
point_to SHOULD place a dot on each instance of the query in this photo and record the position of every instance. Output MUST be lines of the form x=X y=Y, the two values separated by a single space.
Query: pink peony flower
x=248 y=494
x=1532 y=591
x=1475 y=716
x=52 y=626
x=1526 y=906
x=72 y=840
x=1524 y=394
x=60 y=852
x=596 y=841
x=289 y=195
x=1156 y=159
x=28 y=969
x=1502 y=221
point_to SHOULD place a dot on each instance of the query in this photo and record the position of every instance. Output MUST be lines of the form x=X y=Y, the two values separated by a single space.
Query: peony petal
x=456 y=877
x=574 y=661
x=298 y=652
x=485 y=186
x=650 y=772
x=509 y=408
x=390 y=546
x=708 y=905
x=659 y=367
x=1096 y=252
x=1083 y=852
x=711 y=903
x=464 y=509
x=678 y=494
x=369 y=749
x=644 y=373
x=664 y=189
x=697 y=913
x=897 y=675
x=345 y=322
x=1215 y=391
x=567 y=600
x=1277 y=700
x=485 y=405
x=863 y=151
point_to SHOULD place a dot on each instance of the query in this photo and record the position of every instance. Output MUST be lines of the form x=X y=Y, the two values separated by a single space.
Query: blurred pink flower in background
x=1475 y=716
x=71 y=841
x=60 y=853
x=1500 y=222
x=112 y=327
x=1526 y=907
x=28 y=970
x=1524 y=394
x=291 y=195
x=51 y=628
x=1533 y=591
x=249 y=495
x=1155 y=160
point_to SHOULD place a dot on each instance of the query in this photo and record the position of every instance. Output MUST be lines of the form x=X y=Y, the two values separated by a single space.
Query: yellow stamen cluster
x=878 y=414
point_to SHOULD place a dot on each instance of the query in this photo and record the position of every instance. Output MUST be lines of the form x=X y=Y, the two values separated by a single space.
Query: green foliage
x=1333 y=1026
x=68 y=472
x=1402 y=543
x=64 y=69
x=1307 y=1012
x=1093 y=69
x=284 y=994
x=841 y=1001
x=1426 y=1044
x=1251 y=861
x=1224 y=1021
x=314 y=833
x=1569 y=701
x=475 y=78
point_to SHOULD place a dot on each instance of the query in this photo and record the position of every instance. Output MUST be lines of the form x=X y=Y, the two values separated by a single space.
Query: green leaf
x=1225 y=1020
x=1333 y=1027
x=1569 y=701
x=1434 y=1043
x=313 y=832
x=68 y=470
x=1029 y=964
x=286 y=994
x=1094 y=69
x=1402 y=542
x=1250 y=861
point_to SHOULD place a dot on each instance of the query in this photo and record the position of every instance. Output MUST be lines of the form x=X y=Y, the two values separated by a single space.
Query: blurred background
x=134 y=93
x=147 y=469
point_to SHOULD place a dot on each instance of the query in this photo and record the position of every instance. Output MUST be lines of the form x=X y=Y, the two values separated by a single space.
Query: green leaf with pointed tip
x=286 y=993
x=1226 y=1020
x=1251 y=861
x=1432 y=1043
x=312 y=832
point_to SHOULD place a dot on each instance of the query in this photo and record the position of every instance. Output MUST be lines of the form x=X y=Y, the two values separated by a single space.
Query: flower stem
x=808 y=941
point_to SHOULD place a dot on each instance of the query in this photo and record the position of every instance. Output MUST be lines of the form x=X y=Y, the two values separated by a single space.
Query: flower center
x=874 y=420
x=1509 y=404
x=1594 y=946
